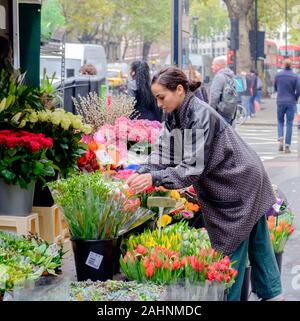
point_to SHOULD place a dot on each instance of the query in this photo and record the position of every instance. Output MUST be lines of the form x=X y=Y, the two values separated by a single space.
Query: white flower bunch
x=58 y=117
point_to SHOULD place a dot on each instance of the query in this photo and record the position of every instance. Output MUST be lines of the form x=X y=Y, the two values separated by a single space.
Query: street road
x=283 y=170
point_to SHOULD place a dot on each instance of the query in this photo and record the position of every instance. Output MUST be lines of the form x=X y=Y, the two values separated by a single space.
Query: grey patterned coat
x=232 y=185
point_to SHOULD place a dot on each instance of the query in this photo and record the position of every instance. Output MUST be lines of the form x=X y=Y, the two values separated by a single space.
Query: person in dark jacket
x=5 y=53
x=253 y=91
x=222 y=76
x=200 y=92
x=287 y=86
x=232 y=185
x=139 y=88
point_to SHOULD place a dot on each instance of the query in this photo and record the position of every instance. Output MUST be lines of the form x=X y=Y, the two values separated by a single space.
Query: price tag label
x=103 y=157
x=277 y=206
x=94 y=260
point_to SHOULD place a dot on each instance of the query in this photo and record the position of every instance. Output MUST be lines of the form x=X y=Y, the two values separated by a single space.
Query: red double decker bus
x=293 y=53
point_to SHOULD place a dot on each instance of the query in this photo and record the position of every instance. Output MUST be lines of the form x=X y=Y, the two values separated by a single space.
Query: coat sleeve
x=216 y=90
x=195 y=156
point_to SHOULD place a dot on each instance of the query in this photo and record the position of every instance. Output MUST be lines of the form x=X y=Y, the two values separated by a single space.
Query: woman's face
x=168 y=100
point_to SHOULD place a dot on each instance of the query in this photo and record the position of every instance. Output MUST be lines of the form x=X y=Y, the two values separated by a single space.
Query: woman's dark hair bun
x=193 y=85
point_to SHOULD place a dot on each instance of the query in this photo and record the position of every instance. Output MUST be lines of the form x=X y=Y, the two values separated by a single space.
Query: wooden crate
x=50 y=222
x=20 y=224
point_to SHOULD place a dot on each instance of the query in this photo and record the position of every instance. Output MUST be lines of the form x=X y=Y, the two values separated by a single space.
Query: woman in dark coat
x=232 y=185
x=139 y=88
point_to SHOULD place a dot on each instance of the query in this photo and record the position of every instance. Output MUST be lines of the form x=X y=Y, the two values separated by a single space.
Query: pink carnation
x=187 y=214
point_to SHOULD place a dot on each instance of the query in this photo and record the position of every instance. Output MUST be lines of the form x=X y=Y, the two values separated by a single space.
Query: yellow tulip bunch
x=151 y=239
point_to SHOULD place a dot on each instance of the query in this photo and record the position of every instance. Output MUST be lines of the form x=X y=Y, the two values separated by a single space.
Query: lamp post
x=212 y=36
x=256 y=33
x=195 y=35
x=286 y=25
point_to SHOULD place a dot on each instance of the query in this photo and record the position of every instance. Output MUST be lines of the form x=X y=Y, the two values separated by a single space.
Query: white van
x=88 y=54
x=52 y=65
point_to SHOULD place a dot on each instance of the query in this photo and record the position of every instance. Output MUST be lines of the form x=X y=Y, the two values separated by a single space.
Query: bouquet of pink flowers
x=123 y=134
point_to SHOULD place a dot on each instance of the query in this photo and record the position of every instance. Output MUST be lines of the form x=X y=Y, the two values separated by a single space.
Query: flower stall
x=85 y=160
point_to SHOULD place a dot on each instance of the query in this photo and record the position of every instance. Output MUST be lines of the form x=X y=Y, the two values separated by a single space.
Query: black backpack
x=229 y=98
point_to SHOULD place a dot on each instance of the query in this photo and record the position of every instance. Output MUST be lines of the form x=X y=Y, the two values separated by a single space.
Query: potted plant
x=22 y=161
x=66 y=130
x=98 y=211
x=25 y=259
x=16 y=99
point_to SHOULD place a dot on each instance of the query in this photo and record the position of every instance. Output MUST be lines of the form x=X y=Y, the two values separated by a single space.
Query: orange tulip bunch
x=280 y=229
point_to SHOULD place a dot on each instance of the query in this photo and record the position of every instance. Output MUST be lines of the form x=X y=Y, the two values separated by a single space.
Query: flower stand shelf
x=20 y=224
x=50 y=222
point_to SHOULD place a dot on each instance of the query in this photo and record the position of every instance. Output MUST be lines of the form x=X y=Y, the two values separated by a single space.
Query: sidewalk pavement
x=267 y=115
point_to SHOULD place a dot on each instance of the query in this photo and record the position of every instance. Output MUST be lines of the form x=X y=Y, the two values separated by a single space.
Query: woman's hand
x=138 y=182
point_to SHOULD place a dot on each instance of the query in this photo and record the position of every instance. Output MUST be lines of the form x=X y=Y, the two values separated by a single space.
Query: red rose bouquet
x=22 y=157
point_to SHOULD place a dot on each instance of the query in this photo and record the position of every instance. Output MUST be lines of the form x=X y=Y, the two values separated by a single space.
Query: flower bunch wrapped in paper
x=97 y=207
x=280 y=228
x=281 y=205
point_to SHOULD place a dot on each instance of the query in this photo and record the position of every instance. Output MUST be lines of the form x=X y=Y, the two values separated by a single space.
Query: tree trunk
x=243 y=54
x=125 y=48
x=240 y=10
x=146 y=49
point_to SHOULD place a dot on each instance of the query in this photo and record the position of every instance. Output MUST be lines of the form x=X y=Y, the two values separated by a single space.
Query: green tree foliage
x=204 y=11
x=111 y=21
x=84 y=19
x=51 y=18
x=272 y=16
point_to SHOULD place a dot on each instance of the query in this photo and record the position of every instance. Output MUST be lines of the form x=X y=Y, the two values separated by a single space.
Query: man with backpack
x=223 y=95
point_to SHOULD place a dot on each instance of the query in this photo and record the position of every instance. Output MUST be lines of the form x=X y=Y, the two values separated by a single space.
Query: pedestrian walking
x=223 y=95
x=287 y=86
x=246 y=93
x=259 y=86
x=139 y=88
x=253 y=91
x=232 y=185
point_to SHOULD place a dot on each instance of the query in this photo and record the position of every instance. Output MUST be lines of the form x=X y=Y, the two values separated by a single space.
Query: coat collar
x=178 y=118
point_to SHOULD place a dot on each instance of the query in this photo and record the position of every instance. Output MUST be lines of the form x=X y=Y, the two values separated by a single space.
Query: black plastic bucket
x=279 y=260
x=246 y=284
x=117 y=267
x=94 y=259
x=42 y=195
